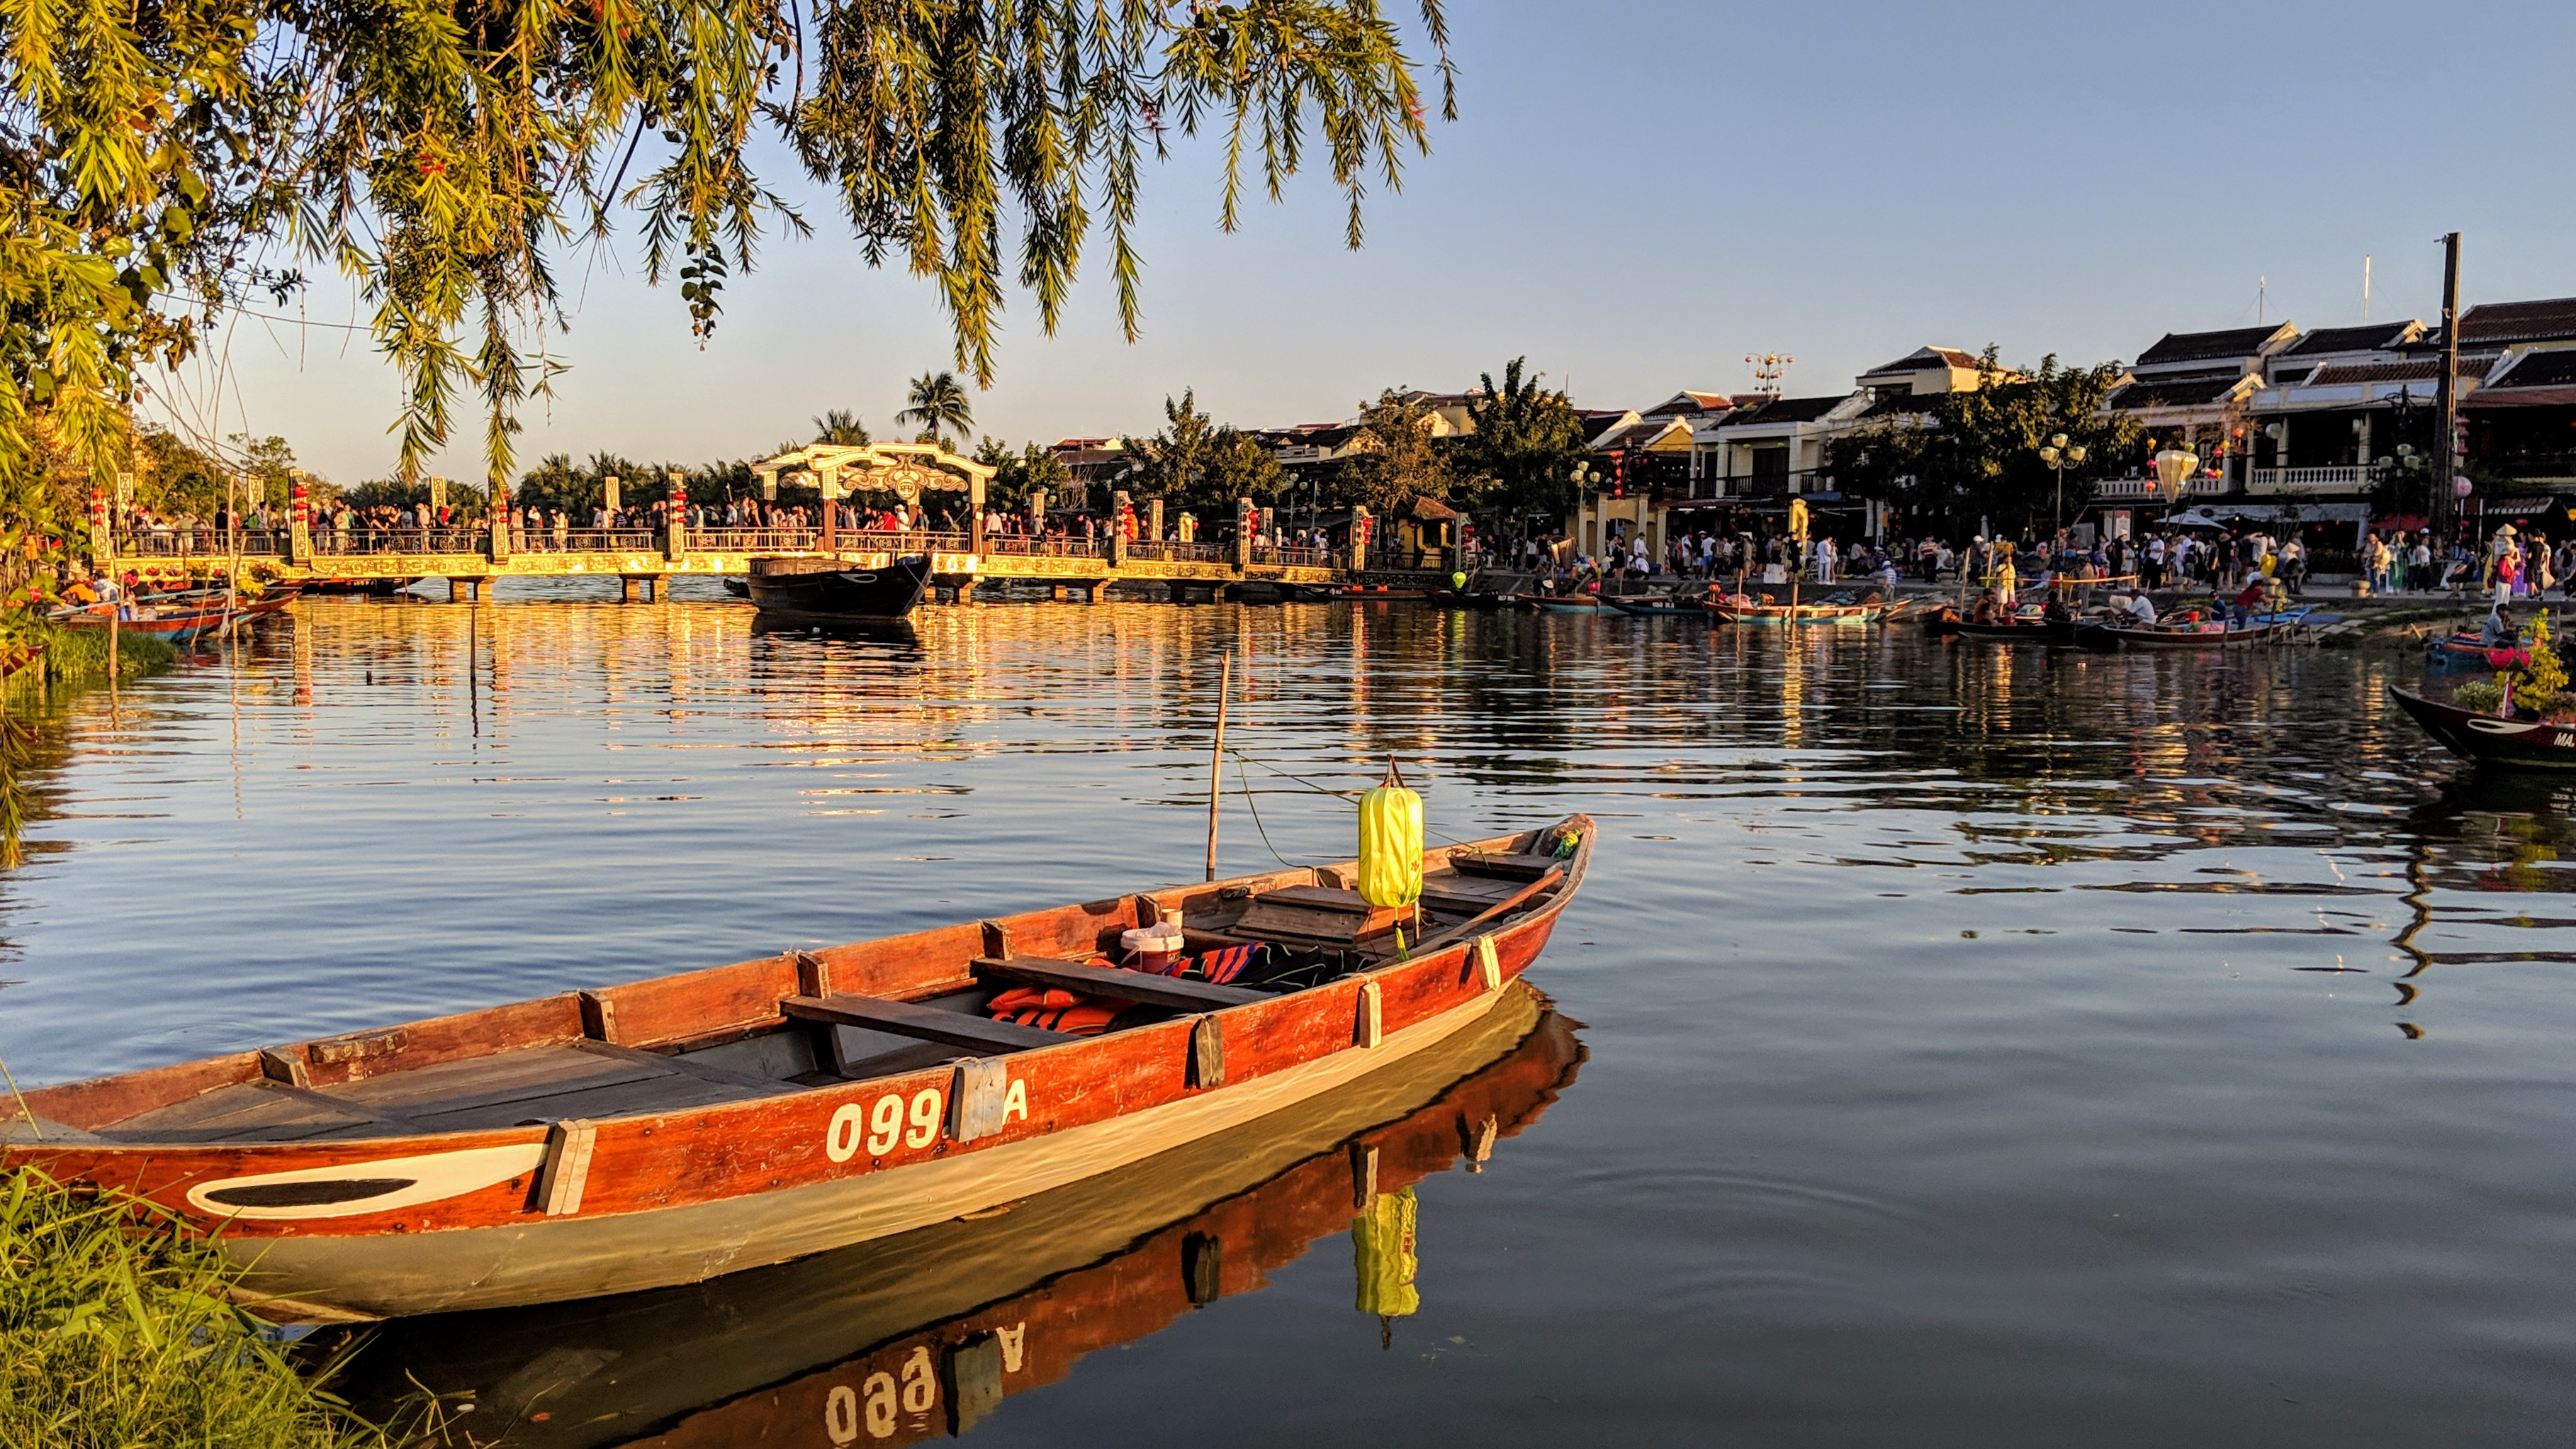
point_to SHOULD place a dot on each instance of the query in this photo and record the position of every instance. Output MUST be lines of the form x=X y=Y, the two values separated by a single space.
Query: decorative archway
x=907 y=470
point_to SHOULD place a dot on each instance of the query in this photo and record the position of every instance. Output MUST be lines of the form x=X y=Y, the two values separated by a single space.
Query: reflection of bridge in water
x=641 y=560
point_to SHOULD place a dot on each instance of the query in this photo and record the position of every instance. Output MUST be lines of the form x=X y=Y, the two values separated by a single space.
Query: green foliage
x=1198 y=463
x=1394 y=458
x=79 y=656
x=115 y=1332
x=840 y=427
x=1526 y=443
x=1016 y=475
x=938 y=402
x=1976 y=453
x=2480 y=695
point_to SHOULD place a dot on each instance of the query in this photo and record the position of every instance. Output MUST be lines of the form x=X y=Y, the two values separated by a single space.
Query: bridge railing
x=199 y=542
x=1020 y=545
x=1180 y=552
x=1295 y=558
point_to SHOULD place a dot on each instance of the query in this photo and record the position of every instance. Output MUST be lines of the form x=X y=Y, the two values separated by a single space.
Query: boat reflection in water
x=923 y=1335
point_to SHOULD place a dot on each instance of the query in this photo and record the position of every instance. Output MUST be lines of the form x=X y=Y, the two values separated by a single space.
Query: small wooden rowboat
x=673 y=1129
x=2489 y=740
x=1726 y=613
x=2020 y=631
x=178 y=627
x=1660 y=606
x=2208 y=637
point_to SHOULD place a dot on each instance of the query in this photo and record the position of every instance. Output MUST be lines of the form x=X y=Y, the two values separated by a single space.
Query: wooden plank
x=1118 y=985
x=504 y=1077
x=654 y=1095
x=1207 y=1053
x=1497 y=909
x=929 y=1023
x=567 y=1171
x=1509 y=867
x=703 y=1071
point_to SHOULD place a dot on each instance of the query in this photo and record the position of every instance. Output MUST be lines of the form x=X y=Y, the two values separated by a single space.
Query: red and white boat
x=674 y=1129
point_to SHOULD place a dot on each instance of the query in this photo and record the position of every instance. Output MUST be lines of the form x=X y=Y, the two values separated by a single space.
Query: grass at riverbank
x=79 y=656
x=115 y=1332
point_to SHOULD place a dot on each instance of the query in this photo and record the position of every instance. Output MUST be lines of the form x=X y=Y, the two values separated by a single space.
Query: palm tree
x=841 y=426
x=938 y=403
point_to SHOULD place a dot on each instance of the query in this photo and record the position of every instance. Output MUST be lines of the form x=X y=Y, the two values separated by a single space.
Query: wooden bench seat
x=926 y=1023
x=1179 y=993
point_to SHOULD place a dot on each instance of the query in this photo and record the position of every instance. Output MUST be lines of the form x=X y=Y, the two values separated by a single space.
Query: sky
x=1635 y=196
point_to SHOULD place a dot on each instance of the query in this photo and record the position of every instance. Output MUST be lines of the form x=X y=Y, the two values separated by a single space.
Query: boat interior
x=805 y=1019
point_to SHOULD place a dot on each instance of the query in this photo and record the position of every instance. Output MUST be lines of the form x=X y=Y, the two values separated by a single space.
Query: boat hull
x=827 y=589
x=397 y=1275
x=557 y=1206
x=2487 y=740
x=2017 y=633
x=2179 y=639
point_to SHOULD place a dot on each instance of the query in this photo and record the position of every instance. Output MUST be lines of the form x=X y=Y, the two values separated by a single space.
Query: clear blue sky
x=1636 y=196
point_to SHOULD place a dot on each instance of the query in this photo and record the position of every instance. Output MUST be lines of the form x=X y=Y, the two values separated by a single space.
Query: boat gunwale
x=775 y=977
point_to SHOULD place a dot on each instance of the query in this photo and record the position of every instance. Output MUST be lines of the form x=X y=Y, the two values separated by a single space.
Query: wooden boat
x=1003 y=1305
x=2464 y=650
x=1787 y=614
x=1379 y=592
x=1483 y=599
x=674 y=1129
x=177 y=626
x=2489 y=739
x=1660 y=606
x=2019 y=631
x=372 y=588
x=2207 y=636
x=822 y=588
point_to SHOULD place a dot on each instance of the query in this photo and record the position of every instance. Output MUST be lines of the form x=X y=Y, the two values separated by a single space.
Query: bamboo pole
x=1216 y=757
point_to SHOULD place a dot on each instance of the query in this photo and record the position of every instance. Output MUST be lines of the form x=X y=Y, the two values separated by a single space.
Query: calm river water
x=1957 y=1045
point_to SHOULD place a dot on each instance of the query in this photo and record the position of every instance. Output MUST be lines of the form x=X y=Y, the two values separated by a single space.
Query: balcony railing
x=2308 y=480
x=2140 y=490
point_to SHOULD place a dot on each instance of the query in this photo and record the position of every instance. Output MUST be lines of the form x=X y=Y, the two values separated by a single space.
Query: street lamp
x=2059 y=457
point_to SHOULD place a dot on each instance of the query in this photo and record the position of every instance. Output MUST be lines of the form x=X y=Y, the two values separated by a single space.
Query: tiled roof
x=2209 y=346
x=2354 y=339
x=2519 y=321
x=2540 y=369
x=1788 y=410
x=2174 y=392
x=1688 y=403
x=2345 y=374
x=1638 y=434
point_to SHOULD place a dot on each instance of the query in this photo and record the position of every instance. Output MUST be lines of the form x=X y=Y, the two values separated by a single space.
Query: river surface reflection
x=1986 y=1046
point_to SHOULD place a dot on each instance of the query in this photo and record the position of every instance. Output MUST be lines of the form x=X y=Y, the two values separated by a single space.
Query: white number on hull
x=890 y=1119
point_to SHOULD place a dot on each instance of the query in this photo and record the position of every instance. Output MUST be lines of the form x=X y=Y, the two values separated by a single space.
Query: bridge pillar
x=1361 y=526
x=1056 y=592
x=629 y=588
x=463 y=591
x=497 y=547
x=1244 y=518
x=1154 y=519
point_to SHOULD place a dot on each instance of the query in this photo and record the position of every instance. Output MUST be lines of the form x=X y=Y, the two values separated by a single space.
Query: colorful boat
x=671 y=1130
x=178 y=626
x=922 y=1337
x=2489 y=739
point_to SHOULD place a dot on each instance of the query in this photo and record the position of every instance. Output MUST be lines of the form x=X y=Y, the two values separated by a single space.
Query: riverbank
x=116 y=1330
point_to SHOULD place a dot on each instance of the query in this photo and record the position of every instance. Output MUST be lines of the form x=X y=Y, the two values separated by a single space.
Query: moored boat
x=1727 y=612
x=1006 y=1303
x=1659 y=606
x=673 y=1129
x=2019 y=631
x=2490 y=739
x=178 y=626
x=2189 y=636
x=824 y=588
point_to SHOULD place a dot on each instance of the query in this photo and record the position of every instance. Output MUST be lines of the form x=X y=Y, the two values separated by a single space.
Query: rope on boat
x=1345 y=796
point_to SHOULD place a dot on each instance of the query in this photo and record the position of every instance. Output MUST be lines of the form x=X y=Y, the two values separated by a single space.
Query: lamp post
x=2059 y=455
x=1586 y=480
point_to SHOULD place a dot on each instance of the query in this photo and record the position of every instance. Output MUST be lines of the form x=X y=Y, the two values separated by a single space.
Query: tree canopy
x=938 y=402
x=1394 y=458
x=164 y=161
x=1520 y=458
x=1196 y=462
x=1975 y=454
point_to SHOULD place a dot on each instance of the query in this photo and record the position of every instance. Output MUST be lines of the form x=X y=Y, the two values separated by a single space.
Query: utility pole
x=2446 y=392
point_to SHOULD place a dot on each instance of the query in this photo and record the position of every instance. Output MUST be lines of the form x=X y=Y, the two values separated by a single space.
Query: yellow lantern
x=1391 y=843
